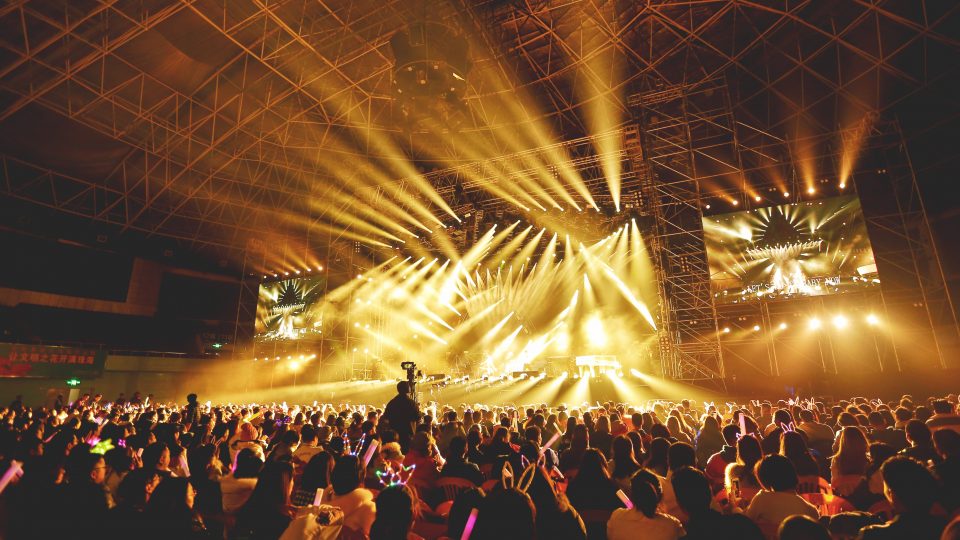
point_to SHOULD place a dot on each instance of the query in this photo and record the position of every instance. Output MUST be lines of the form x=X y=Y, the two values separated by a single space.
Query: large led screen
x=289 y=309
x=804 y=249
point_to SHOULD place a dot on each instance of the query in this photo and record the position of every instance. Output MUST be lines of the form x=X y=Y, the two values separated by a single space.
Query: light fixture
x=840 y=322
x=815 y=324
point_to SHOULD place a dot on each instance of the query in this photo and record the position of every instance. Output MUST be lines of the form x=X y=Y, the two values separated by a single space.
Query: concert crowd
x=793 y=469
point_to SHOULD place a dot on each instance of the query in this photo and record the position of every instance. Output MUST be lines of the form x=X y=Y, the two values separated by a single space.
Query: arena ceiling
x=217 y=121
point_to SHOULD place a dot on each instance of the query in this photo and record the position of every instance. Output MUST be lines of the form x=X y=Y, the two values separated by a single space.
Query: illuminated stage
x=789 y=287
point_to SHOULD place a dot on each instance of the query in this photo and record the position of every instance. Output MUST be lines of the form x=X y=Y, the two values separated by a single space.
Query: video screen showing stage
x=793 y=250
x=290 y=309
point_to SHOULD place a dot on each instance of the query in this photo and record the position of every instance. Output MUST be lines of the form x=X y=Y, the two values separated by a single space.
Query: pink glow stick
x=184 y=466
x=318 y=498
x=436 y=451
x=624 y=499
x=368 y=455
x=15 y=468
x=743 y=424
x=471 y=522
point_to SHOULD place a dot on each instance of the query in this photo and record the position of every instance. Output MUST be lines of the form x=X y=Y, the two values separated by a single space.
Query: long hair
x=396 y=509
x=624 y=458
x=316 y=473
x=851 y=456
x=793 y=447
x=645 y=492
x=657 y=455
x=168 y=508
x=272 y=493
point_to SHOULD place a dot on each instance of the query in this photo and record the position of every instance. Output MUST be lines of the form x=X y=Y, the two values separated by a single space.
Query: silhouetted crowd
x=798 y=469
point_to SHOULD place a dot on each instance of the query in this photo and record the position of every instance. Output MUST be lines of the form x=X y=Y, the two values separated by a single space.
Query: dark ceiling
x=216 y=121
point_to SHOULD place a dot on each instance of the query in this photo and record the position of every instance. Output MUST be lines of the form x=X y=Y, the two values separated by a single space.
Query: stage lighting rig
x=430 y=73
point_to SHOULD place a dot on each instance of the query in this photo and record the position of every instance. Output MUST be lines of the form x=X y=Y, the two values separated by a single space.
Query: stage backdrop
x=289 y=309
x=803 y=249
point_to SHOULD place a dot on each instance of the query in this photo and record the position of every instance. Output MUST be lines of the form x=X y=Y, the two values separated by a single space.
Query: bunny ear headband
x=525 y=480
x=787 y=427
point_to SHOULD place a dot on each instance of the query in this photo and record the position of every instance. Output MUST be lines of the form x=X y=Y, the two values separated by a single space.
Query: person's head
x=603 y=424
x=273 y=489
x=290 y=438
x=908 y=485
x=593 y=465
x=942 y=406
x=800 y=527
x=580 y=438
x=776 y=473
x=792 y=445
x=917 y=433
x=730 y=432
x=422 y=443
x=506 y=514
x=156 y=456
x=308 y=435
x=623 y=449
x=247 y=431
x=248 y=464
x=710 y=424
x=692 y=490
x=660 y=431
x=316 y=473
x=457 y=449
x=952 y=532
x=200 y=458
x=782 y=416
x=83 y=466
x=748 y=451
x=191 y=398
x=947 y=443
x=657 y=455
x=403 y=388
x=681 y=455
x=806 y=415
x=347 y=474
x=137 y=487
x=396 y=510
x=645 y=492
x=465 y=502
x=853 y=446
x=172 y=499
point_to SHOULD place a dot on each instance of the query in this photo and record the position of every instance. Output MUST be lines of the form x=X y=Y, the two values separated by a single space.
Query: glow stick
x=550 y=442
x=318 y=498
x=624 y=499
x=184 y=467
x=471 y=522
x=368 y=455
x=436 y=451
x=743 y=424
x=15 y=468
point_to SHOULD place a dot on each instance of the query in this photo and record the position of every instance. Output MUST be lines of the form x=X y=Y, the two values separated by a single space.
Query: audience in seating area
x=812 y=469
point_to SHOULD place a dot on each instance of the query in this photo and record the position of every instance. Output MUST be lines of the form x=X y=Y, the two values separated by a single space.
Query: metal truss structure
x=681 y=134
x=212 y=123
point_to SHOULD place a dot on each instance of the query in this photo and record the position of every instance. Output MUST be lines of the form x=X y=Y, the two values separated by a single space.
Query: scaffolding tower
x=675 y=131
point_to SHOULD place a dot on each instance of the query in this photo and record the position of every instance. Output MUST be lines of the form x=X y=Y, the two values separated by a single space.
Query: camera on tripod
x=411 y=368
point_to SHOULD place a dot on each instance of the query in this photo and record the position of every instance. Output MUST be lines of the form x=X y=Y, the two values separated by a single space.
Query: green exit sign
x=74 y=382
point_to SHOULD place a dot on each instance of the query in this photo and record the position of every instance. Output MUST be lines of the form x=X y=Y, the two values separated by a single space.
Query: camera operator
x=402 y=414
